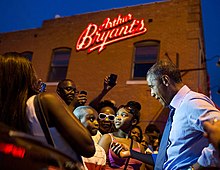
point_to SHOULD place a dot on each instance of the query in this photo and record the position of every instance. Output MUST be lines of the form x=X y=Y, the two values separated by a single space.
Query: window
x=145 y=55
x=28 y=55
x=59 y=64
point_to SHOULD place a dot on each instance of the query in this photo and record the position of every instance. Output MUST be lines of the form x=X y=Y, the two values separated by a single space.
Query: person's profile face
x=67 y=91
x=158 y=89
x=123 y=119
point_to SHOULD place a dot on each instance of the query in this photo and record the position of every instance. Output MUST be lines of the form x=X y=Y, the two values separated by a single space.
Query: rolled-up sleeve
x=209 y=157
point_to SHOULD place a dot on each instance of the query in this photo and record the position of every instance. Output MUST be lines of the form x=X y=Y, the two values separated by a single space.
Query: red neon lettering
x=85 y=39
x=116 y=21
x=120 y=28
x=112 y=41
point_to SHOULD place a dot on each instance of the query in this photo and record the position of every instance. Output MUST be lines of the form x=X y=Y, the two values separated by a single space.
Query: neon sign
x=110 y=31
x=15 y=151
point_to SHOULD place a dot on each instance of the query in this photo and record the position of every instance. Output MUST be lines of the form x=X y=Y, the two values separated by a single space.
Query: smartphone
x=43 y=87
x=112 y=79
x=83 y=92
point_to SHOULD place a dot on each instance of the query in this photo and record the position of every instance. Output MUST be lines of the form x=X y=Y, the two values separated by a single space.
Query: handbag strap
x=128 y=159
x=43 y=122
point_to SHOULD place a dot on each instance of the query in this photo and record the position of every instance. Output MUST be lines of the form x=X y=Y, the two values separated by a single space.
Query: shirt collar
x=177 y=99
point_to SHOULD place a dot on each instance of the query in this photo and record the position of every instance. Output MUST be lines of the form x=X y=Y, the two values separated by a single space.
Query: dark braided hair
x=134 y=108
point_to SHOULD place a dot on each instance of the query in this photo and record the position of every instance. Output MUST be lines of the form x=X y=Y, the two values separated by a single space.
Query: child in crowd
x=106 y=118
x=136 y=134
x=106 y=110
x=154 y=135
x=88 y=117
x=126 y=117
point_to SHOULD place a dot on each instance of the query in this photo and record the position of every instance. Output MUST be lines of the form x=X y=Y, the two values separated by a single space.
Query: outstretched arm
x=145 y=158
x=106 y=88
x=67 y=124
x=124 y=151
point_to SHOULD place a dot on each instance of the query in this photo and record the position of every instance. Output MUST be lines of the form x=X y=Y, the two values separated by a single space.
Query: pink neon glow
x=12 y=149
x=115 y=40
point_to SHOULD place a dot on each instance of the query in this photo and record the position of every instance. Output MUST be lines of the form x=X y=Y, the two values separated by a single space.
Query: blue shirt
x=187 y=143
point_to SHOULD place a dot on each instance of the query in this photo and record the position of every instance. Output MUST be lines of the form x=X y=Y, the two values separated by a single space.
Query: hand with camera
x=39 y=86
x=81 y=98
x=43 y=87
x=110 y=82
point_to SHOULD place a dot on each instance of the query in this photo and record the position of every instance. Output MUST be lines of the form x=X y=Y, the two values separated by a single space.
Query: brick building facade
x=171 y=27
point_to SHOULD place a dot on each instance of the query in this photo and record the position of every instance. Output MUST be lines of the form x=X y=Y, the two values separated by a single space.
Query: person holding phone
x=106 y=109
x=66 y=89
x=109 y=82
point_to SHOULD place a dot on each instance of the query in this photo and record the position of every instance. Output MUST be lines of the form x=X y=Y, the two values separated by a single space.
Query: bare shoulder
x=105 y=137
x=105 y=142
x=50 y=98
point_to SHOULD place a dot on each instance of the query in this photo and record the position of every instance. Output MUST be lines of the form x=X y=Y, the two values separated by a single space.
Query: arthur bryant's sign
x=110 y=31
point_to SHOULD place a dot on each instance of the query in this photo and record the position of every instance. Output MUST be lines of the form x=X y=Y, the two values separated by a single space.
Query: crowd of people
x=101 y=135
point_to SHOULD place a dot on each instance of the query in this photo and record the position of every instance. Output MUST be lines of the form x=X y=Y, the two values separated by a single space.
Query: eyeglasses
x=103 y=116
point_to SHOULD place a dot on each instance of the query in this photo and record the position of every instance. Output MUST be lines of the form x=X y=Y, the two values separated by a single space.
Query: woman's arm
x=67 y=124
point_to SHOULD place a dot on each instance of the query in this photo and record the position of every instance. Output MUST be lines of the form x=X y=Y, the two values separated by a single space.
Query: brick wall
x=176 y=24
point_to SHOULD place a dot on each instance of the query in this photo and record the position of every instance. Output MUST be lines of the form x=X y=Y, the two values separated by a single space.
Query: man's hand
x=121 y=150
x=78 y=100
x=213 y=132
x=81 y=99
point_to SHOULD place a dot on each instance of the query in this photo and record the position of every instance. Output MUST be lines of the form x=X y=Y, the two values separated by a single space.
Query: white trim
x=136 y=82
x=51 y=83
x=127 y=82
